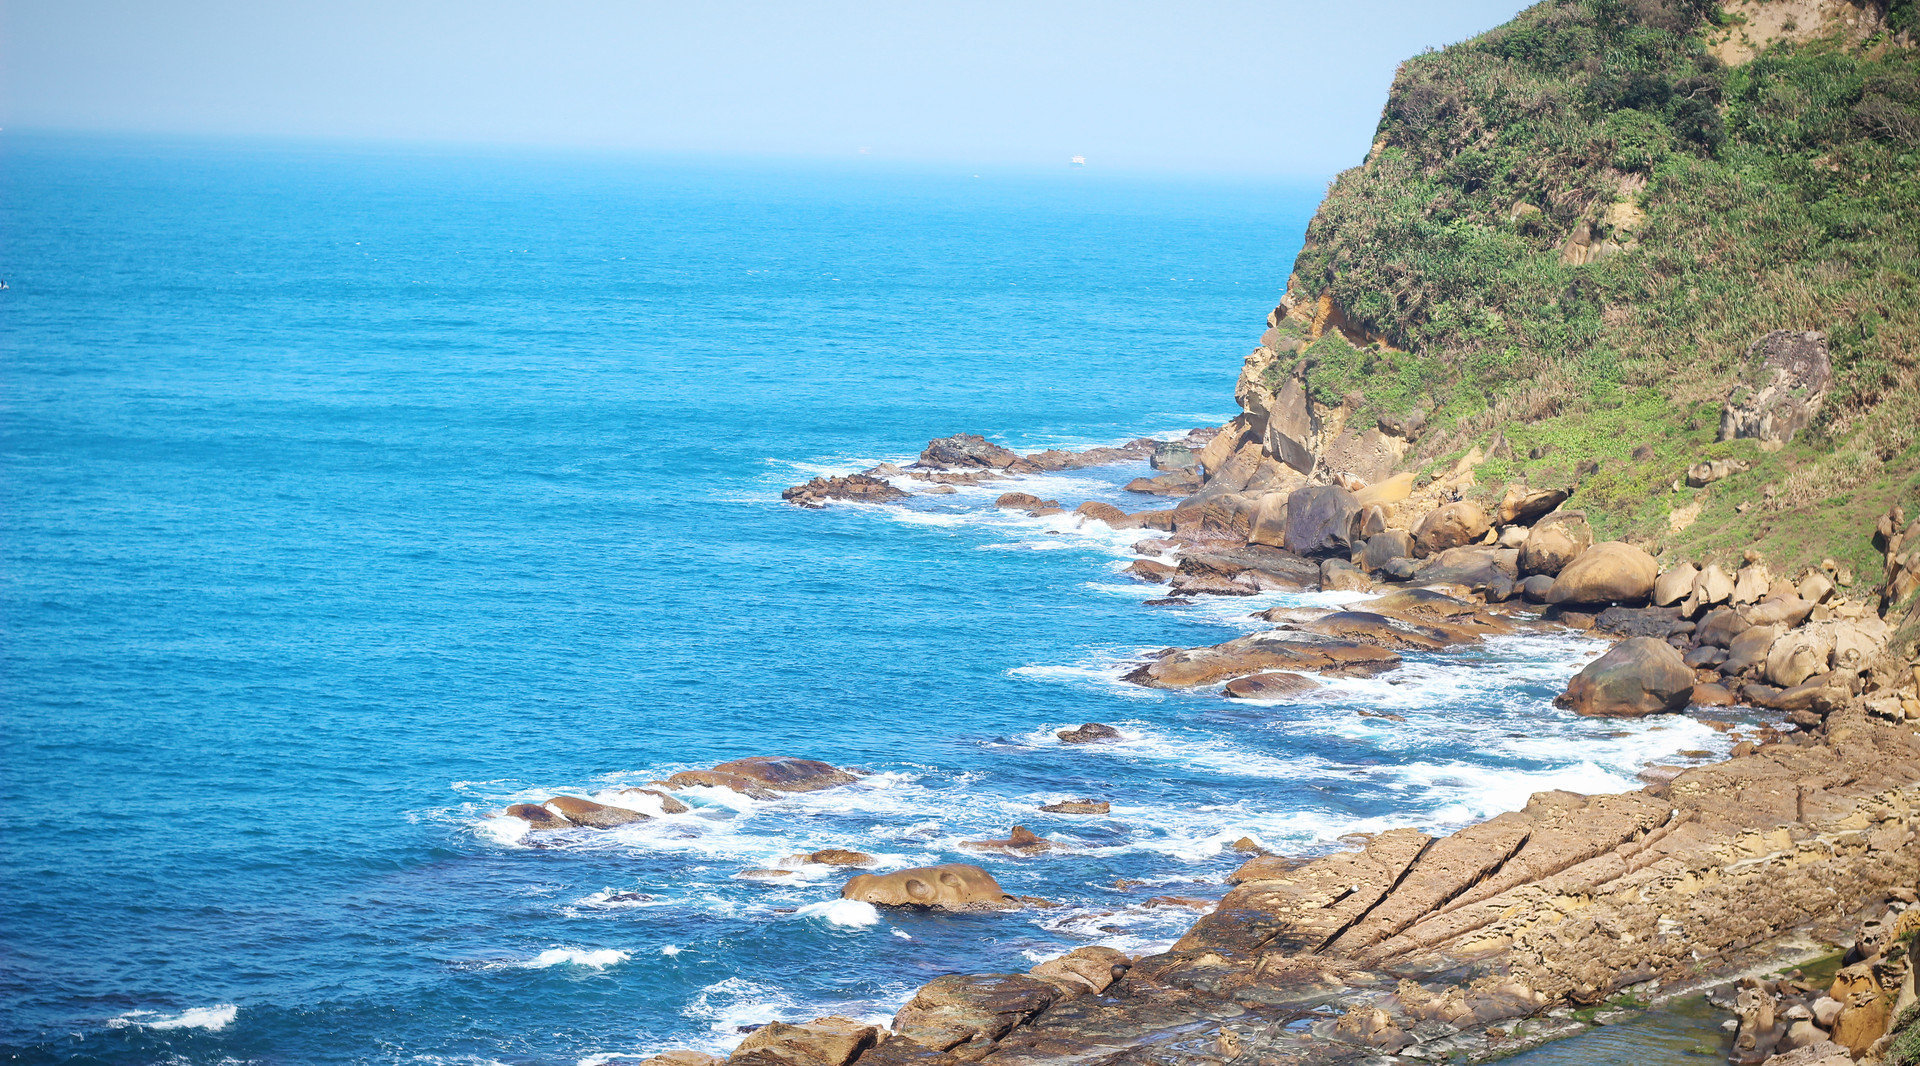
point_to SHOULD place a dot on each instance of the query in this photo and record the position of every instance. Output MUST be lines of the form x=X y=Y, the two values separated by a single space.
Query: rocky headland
x=1613 y=332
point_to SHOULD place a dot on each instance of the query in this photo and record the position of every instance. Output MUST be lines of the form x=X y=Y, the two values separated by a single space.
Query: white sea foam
x=212 y=1019
x=597 y=958
x=850 y=913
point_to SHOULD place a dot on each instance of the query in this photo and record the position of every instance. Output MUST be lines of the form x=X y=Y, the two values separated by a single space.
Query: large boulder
x=1635 y=678
x=829 y=1041
x=856 y=488
x=1383 y=548
x=1452 y=526
x=1269 y=523
x=964 y=1008
x=1102 y=512
x=1089 y=733
x=1554 y=542
x=538 y=818
x=1187 y=667
x=1787 y=377
x=1522 y=506
x=1319 y=519
x=1748 y=650
x=766 y=773
x=1269 y=686
x=1476 y=567
x=1799 y=655
x=1083 y=970
x=1674 y=585
x=1289 y=434
x=966 y=451
x=1610 y=572
x=585 y=812
x=955 y=886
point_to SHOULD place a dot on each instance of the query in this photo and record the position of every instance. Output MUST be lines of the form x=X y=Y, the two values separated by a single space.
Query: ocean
x=352 y=493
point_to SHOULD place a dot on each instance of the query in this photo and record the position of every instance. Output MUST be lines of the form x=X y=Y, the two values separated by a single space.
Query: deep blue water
x=351 y=496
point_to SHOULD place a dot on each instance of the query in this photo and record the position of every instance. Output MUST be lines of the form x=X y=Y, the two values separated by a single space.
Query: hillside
x=1570 y=236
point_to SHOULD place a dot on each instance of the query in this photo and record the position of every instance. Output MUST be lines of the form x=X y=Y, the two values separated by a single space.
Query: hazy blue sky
x=1277 y=87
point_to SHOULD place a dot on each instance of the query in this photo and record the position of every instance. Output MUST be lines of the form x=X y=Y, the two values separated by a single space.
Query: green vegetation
x=1783 y=193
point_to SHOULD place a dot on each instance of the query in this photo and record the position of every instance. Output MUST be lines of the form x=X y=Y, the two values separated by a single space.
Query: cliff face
x=1566 y=252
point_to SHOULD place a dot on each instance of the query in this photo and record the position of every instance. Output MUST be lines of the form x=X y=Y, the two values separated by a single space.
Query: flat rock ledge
x=1416 y=947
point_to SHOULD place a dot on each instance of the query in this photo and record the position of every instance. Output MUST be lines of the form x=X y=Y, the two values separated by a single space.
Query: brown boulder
x=829 y=1041
x=1674 y=585
x=1748 y=649
x=1102 y=512
x=1635 y=678
x=1021 y=841
x=1451 y=526
x=1083 y=970
x=1184 y=668
x=1319 y=519
x=1613 y=572
x=831 y=857
x=964 y=1008
x=1270 y=686
x=1365 y=627
x=593 y=815
x=1022 y=501
x=1339 y=575
x=1269 y=522
x=1554 y=542
x=1384 y=548
x=964 y=451
x=1176 y=483
x=859 y=488
x=1089 y=733
x=955 y=886
x=766 y=773
x=1151 y=570
x=668 y=805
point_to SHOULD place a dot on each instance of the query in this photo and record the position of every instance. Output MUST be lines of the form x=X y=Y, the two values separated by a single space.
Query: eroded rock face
x=1083 y=970
x=1319 y=519
x=1788 y=380
x=955 y=886
x=1613 y=572
x=966 y=451
x=1368 y=455
x=856 y=488
x=961 y=1008
x=1635 y=678
x=829 y=1041
x=1523 y=506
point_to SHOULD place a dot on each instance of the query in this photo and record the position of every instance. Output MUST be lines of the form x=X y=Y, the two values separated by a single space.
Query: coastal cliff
x=1619 y=320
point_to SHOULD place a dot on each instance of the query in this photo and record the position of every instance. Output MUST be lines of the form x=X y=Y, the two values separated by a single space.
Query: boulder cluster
x=1865 y=1013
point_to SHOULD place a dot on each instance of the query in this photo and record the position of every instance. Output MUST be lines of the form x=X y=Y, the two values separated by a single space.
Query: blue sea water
x=350 y=496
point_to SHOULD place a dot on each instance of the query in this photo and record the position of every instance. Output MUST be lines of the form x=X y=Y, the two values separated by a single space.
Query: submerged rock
x=766 y=774
x=1078 y=807
x=1021 y=841
x=1270 y=686
x=538 y=818
x=955 y=886
x=1089 y=733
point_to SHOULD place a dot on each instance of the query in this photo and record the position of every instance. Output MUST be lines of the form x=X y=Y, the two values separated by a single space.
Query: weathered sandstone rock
x=1635 y=678
x=1522 y=506
x=1270 y=686
x=1184 y=668
x=585 y=812
x=1383 y=548
x=966 y=451
x=1089 y=733
x=1319 y=519
x=1451 y=526
x=538 y=818
x=962 y=1008
x=954 y=886
x=1021 y=841
x=1102 y=512
x=1083 y=970
x=829 y=1041
x=1675 y=585
x=1613 y=572
x=858 y=488
x=766 y=773
x=1789 y=375
x=1553 y=543
x=1078 y=807
x=831 y=857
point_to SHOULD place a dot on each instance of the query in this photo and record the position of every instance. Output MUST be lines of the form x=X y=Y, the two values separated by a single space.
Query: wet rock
x=585 y=812
x=1090 y=733
x=1383 y=548
x=1613 y=572
x=668 y=804
x=1022 y=501
x=831 y=857
x=956 y=886
x=1103 y=512
x=766 y=773
x=1083 y=970
x=829 y=1041
x=1365 y=627
x=858 y=488
x=1674 y=585
x=1787 y=381
x=683 y=1057
x=1319 y=519
x=1339 y=575
x=1179 y=483
x=1478 y=568
x=1021 y=841
x=1078 y=807
x=1270 y=686
x=1426 y=606
x=1451 y=526
x=1635 y=678
x=1152 y=570
x=1639 y=621
x=1522 y=506
x=962 y=1008
x=1712 y=696
x=1184 y=668
x=966 y=451
x=1554 y=542
x=538 y=818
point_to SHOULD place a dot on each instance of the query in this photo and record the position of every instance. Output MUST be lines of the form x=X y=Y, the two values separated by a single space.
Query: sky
x=1275 y=88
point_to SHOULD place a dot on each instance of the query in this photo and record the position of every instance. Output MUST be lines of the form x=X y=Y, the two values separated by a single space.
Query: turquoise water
x=351 y=496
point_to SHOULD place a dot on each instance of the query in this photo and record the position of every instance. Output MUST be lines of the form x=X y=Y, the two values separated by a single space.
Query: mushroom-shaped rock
x=537 y=817
x=1611 y=572
x=1634 y=678
x=1674 y=585
x=1319 y=519
x=1554 y=542
x=772 y=773
x=829 y=1041
x=1451 y=526
x=1522 y=506
x=1088 y=733
x=955 y=886
x=1277 y=685
x=1083 y=970
x=590 y=814
x=962 y=1008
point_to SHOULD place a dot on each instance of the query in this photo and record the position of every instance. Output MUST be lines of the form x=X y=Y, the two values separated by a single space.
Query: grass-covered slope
x=1782 y=192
